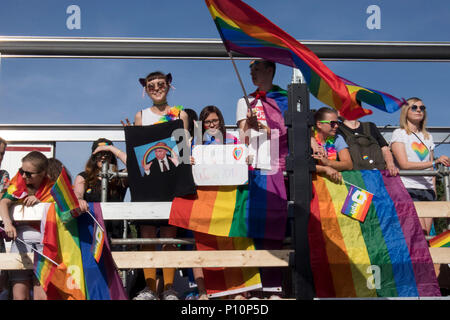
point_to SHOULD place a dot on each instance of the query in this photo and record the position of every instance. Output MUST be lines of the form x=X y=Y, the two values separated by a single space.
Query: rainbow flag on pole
x=386 y=256
x=442 y=240
x=357 y=203
x=246 y=31
x=65 y=198
x=78 y=275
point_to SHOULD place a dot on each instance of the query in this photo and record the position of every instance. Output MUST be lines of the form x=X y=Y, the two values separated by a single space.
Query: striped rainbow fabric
x=64 y=197
x=386 y=256
x=246 y=31
x=17 y=189
x=440 y=241
x=78 y=276
x=256 y=210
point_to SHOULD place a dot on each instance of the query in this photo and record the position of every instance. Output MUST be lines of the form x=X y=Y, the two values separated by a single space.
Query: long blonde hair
x=404 y=118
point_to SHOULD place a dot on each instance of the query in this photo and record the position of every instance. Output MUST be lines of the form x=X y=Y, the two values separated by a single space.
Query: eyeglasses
x=27 y=173
x=415 y=108
x=331 y=123
x=207 y=123
x=157 y=85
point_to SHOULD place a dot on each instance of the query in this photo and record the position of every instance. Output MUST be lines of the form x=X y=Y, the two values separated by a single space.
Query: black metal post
x=299 y=166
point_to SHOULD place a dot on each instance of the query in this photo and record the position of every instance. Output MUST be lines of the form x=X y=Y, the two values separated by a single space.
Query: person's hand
x=83 y=205
x=322 y=157
x=128 y=123
x=333 y=174
x=30 y=201
x=252 y=120
x=392 y=168
x=10 y=231
x=444 y=160
x=192 y=159
x=102 y=148
x=249 y=159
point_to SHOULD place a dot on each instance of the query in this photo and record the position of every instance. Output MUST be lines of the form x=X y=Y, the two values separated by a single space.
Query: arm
x=78 y=189
x=138 y=119
x=115 y=151
x=331 y=173
x=345 y=161
x=10 y=230
x=389 y=159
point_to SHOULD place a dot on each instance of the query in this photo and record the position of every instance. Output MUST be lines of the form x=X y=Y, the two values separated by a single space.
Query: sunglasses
x=27 y=173
x=415 y=108
x=99 y=156
x=207 y=123
x=331 y=123
x=157 y=85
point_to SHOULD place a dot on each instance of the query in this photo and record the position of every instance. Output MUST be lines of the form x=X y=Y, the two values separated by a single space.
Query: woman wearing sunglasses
x=332 y=155
x=413 y=149
x=87 y=186
x=28 y=187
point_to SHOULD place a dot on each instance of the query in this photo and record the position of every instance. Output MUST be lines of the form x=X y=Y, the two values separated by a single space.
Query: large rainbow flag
x=386 y=256
x=17 y=189
x=78 y=275
x=246 y=31
x=255 y=210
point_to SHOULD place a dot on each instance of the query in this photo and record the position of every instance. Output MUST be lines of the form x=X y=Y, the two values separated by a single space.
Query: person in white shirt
x=413 y=149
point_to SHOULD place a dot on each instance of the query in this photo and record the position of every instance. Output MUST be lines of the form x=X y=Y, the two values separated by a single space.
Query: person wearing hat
x=87 y=186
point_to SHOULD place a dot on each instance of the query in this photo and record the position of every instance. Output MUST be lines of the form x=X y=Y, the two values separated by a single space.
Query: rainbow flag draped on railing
x=386 y=256
x=78 y=276
x=256 y=210
x=246 y=31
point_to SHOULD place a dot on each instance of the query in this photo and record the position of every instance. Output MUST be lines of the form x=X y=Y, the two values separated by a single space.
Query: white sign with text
x=217 y=165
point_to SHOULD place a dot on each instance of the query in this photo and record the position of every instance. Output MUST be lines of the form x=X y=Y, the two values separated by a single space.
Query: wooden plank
x=433 y=209
x=161 y=210
x=440 y=255
x=172 y=259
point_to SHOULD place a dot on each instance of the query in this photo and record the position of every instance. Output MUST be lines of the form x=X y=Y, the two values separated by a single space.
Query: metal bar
x=139 y=241
x=91 y=47
x=105 y=178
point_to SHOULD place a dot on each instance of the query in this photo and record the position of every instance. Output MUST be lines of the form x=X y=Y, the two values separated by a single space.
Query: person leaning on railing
x=413 y=149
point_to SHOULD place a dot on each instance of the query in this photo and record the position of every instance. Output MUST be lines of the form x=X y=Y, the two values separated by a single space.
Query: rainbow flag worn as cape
x=64 y=197
x=386 y=256
x=17 y=189
x=78 y=276
x=246 y=31
x=441 y=240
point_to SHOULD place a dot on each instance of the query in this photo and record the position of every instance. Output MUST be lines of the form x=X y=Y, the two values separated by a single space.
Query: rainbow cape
x=442 y=240
x=386 y=256
x=246 y=31
x=256 y=210
x=64 y=197
x=78 y=276
x=17 y=189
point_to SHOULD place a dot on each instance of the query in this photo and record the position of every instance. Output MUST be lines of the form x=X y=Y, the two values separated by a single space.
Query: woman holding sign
x=413 y=149
x=332 y=155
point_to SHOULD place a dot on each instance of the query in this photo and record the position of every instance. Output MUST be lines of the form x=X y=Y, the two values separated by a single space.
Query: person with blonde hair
x=413 y=149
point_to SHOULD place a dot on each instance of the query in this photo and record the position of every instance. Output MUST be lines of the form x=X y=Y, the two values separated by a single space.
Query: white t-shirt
x=416 y=151
x=259 y=145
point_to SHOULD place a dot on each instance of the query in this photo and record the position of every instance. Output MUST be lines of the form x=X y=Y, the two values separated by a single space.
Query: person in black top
x=87 y=185
x=382 y=159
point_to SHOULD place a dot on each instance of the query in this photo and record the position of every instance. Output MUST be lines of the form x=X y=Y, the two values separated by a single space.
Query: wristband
x=434 y=165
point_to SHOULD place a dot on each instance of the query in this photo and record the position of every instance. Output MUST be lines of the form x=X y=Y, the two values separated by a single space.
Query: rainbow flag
x=442 y=240
x=64 y=197
x=386 y=256
x=256 y=210
x=78 y=276
x=225 y=281
x=97 y=244
x=246 y=31
x=357 y=203
x=17 y=189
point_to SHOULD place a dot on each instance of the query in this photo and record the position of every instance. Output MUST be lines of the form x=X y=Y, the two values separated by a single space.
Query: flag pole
x=92 y=216
x=31 y=247
x=356 y=186
x=239 y=78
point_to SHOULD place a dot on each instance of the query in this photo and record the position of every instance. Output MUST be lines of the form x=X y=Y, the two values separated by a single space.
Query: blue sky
x=106 y=91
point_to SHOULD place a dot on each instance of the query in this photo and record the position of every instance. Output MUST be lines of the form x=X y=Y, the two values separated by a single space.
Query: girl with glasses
x=413 y=149
x=28 y=187
x=330 y=149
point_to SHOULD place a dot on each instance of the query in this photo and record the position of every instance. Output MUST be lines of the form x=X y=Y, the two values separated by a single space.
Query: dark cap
x=101 y=142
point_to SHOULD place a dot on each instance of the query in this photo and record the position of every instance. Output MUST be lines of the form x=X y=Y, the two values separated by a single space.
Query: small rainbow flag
x=246 y=31
x=97 y=243
x=440 y=241
x=65 y=198
x=357 y=203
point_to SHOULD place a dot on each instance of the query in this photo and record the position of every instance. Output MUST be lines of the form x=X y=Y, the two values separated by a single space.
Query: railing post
x=105 y=178
x=299 y=166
